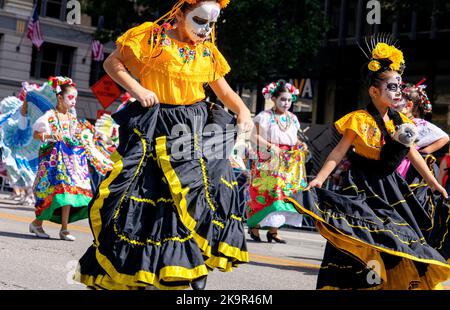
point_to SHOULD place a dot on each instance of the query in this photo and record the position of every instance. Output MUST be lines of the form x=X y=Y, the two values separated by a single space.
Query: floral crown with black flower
x=270 y=90
x=417 y=94
x=382 y=54
x=57 y=81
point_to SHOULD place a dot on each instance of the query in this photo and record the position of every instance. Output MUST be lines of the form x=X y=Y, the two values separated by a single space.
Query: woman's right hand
x=275 y=149
x=314 y=183
x=146 y=97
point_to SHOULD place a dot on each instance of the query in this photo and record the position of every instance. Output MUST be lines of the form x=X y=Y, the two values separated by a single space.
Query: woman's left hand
x=244 y=121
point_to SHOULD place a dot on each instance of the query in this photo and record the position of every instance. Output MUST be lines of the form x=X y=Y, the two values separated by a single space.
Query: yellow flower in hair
x=395 y=66
x=397 y=59
x=224 y=3
x=374 y=66
x=382 y=51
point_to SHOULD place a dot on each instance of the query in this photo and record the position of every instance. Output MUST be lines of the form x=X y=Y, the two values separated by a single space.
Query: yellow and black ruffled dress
x=168 y=211
x=375 y=226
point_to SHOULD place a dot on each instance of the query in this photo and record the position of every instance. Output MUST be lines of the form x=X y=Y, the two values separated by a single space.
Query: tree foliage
x=269 y=39
x=262 y=39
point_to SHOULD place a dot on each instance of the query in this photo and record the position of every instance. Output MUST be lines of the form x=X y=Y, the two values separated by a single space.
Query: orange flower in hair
x=223 y=3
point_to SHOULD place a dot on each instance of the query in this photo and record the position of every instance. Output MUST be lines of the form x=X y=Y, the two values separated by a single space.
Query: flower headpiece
x=382 y=54
x=417 y=94
x=166 y=22
x=269 y=91
x=57 y=81
x=223 y=3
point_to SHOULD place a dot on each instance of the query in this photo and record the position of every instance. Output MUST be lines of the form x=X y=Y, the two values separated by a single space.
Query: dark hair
x=64 y=89
x=281 y=88
x=375 y=78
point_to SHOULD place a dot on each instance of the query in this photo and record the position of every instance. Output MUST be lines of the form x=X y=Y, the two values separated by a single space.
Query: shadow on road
x=305 y=269
x=21 y=236
x=309 y=258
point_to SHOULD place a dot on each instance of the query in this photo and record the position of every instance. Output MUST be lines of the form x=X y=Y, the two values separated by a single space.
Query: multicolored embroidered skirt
x=375 y=230
x=62 y=180
x=168 y=211
x=273 y=178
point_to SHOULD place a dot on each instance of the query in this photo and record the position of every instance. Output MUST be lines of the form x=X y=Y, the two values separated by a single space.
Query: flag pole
x=25 y=30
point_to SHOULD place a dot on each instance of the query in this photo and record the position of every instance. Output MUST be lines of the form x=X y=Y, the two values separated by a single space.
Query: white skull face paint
x=284 y=102
x=401 y=106
x=70 y=98
x=200 y=21
x=391 y=91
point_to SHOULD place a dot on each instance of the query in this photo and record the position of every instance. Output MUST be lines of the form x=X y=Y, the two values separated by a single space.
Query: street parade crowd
x=164 y=205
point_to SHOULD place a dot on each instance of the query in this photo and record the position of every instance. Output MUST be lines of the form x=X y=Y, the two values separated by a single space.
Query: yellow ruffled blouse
x=175 y=71
x=368 y=140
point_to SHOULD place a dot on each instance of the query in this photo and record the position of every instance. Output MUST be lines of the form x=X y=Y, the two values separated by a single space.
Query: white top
x=428 y=133
x=42 y=124
x=270 y=130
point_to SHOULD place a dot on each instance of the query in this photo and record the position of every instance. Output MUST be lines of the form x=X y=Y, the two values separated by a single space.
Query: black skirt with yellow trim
x=435 y=204
x=438 y=208
x=374 y=231
x=168 y=212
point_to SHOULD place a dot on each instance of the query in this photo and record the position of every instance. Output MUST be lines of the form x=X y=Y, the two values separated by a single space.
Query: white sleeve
x=262 y=119
x=42 y=125
x=429 y=133
x=23 y=122
x=296 y=122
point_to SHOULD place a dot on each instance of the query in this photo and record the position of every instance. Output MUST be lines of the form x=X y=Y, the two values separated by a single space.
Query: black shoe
x=253 y=236
x=274 y=237
x=199 y=284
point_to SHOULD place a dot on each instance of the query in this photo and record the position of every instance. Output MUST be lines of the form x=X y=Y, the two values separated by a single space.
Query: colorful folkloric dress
x=275 y=178
x=445 y=179
x=428 y=133
x=63 y=177
x=375 y=226
x=16 y=141
x=168 y=211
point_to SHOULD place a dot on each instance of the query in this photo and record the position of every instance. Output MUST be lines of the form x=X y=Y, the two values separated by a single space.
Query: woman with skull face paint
x=168 y=211
x=62 y=186
x=279 y=170
x=375 y=224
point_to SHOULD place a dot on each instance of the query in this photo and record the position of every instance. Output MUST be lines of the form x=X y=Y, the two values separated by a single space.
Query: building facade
x=422 y=34
x=66 y=51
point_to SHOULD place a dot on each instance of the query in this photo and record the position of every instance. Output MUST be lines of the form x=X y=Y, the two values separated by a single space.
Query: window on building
x=335 y=15
x=52 y=8
x=2 y=3
x=52 y=59
x=351 y=15
x=97 y=71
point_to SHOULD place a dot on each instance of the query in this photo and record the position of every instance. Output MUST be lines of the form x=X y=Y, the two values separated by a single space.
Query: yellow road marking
x=253 y=257
x=282 y=261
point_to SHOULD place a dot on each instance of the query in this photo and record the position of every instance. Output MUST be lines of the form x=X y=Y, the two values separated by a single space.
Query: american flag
x=34 y=29
x=97 y=51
